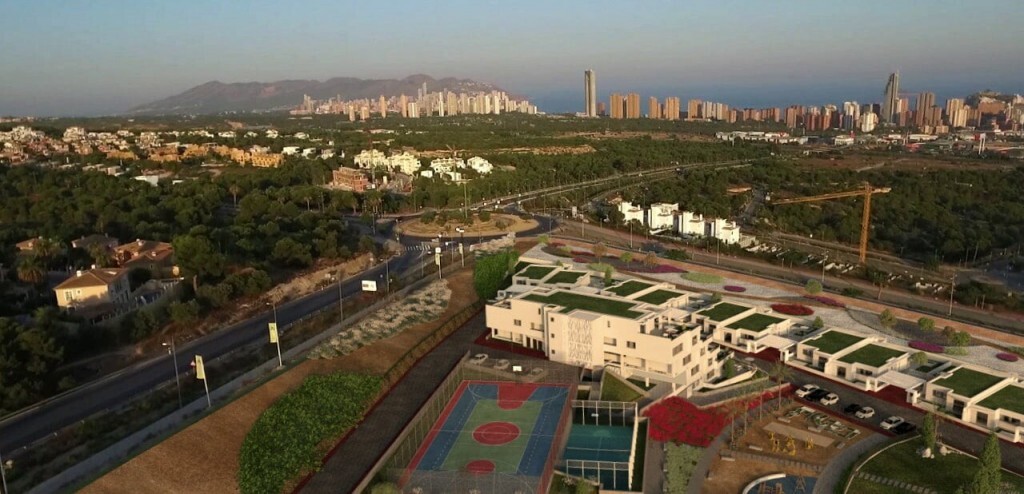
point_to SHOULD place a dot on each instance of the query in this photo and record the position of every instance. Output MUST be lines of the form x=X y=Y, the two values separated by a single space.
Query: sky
x=93 y=57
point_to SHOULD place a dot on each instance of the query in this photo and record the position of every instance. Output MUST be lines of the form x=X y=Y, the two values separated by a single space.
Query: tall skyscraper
x=922 y=110
x=953 y=105
x=693 y=109
x=590 y=92
x=632 y=105
x=403 y=105
x=382 y=104
x=672 y=108
x=616 y=105
x=892 y=96
x=653 y=108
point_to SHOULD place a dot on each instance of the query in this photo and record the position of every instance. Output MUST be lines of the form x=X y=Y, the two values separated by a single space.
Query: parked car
x=817 y=394
x=806 y=389
x=891 y=422
x=829 y=399
x=904 y=428
x=865 y=413
x=851 y=409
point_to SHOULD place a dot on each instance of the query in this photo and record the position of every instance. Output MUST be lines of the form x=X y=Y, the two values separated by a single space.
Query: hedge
x=793 y=309
x=283 y=443
x=925 y=346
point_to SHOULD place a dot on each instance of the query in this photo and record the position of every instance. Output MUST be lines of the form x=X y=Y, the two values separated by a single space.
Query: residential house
x=94 y=288
x=154 y=256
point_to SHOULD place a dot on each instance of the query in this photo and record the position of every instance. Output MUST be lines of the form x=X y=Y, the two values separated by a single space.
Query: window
x=552 y=337
x=68 y=296
x=552 y=319
x=687 y=359
x=694 y=371
x=610 y=341
x=808 y=352
x=643 y=328
x=678 y=348
x=694 y=342
x=609 y=324
x=517 y=322
x=630 y=344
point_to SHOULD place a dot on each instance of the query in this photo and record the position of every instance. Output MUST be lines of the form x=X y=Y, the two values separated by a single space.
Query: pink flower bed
x=665 y=268
x=735 y=288
x=926 y=347
x=826 y=300
x=581 y=260
x=792 y=309
x=1008 y=357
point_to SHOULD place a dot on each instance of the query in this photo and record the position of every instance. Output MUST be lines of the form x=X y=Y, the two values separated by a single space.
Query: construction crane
x=867 y=191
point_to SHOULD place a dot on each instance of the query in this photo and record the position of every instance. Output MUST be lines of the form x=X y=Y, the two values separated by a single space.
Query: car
x=851 y=409
x=806 y=389
x=904 y=428
x=829 y=399
x=865 y=413
x=817 y=394
x=892 y=422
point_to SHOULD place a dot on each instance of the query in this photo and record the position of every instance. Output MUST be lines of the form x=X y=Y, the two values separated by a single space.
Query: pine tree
x=988 y=477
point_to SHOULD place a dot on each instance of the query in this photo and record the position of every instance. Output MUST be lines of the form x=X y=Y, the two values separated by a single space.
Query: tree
x=100 y=254
x=47 y=249
x=29 y=359
x=813 y=287
x=608 y=275
x=888 y=319
x=291 y=253
x=929 y=431
x=490 y=271
x=197 y=259
x=484 y=215
x=919 y=358
x=543 y=239
x=729 y=369
x=184 y=312
x=878 y=278
x=626 y=257
x=651 y=260
x=500 y=224
x=780 y=373
x=234 y=189
x=926 y=324
x=599 y=250
x=30 y=270
x=988 y=478
x=385 y=488
x=960 y=339
x=818 y=322
x=716 y=297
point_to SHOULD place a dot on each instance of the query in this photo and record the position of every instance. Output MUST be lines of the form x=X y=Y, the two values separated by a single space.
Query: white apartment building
x=480 y=165
x=290 y=150
x=662 y=216
x=371 y=158
x=404 y=163
x=444 y=165
x=641 y=329
x=631 y=212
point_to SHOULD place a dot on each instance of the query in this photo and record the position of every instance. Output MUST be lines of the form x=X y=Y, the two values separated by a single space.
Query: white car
x=891 y=422
x=830 y=399
x=865 y=413
x=806 y=389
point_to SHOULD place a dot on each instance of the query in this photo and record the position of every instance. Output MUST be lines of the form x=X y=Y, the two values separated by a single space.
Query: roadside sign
x=200 y=369
x=369 y=286
x=273 y=331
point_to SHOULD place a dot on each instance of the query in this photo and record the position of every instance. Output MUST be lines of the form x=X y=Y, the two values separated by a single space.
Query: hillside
x=215 y=96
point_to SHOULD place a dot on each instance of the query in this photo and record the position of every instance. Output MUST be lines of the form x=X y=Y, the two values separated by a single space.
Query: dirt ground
x=309 y=282
x=203 y=458
x=417 y=228
x=733 y=476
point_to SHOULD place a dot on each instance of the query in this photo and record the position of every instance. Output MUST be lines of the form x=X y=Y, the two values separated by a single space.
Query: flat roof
x=536 y=272
x=756 y=322
x=873 y=355
x=1009 y=398
x=833 y=341
x=658 y=297
x=723 y=311
x=565 y=277
x=572 y=301
x=968 y=382
x=629 y=287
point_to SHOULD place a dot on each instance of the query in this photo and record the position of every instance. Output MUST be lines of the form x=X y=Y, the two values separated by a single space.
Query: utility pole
x=824 y=261
x=3 y=476
x=952 y=288
x=341 y=297
x=174 y=356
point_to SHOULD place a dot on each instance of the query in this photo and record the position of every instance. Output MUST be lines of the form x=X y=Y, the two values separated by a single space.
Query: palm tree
x=31 y=271
x=46 y=249
x=234 y=189
x=780 y=372
x=100 y=254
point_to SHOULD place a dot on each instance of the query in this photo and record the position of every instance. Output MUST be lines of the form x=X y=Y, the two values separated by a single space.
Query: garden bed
x=793 y=309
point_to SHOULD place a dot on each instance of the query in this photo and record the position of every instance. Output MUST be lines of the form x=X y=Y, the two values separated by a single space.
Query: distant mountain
x=215 y=96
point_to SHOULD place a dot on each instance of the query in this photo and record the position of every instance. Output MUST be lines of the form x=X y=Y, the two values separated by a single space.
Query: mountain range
x=216 y=96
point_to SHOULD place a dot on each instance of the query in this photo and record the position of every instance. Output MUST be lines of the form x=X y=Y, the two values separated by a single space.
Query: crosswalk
x=429 y=247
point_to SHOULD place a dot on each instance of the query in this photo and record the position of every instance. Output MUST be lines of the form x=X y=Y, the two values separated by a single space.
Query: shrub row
x=792 y=309
x=925 y=346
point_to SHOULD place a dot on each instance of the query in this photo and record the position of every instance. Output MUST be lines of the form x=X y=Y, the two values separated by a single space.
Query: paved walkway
x=654 y=467
x=833 y=472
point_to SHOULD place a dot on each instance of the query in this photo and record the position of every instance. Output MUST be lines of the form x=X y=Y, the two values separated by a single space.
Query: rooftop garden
x=1009 y=398
x=723 y=311
x=968 y=382
x=873 y=355
x=613 y=389
x=756 y=322
x=628 y=288
x=833 y=341
x=658 y=297
x=566 y=277
x=573 y=301
x=536 y=272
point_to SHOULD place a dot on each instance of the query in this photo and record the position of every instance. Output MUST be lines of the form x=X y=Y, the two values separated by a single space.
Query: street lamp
x=824 y=260
x=952 y=288
x=274 y=336
x=341 y=296
x=174 y=356
x=462 y=242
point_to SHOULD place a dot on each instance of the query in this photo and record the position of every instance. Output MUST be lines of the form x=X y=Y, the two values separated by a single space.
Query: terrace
x=629 y=288
x=573 y=301
x=723 y=311
x=658 y=297
x=833 y=341
x=755 y=322
x=565 y=277
x=967 y=382
x=871 y=355
x=536 y=272
x=1010 y=398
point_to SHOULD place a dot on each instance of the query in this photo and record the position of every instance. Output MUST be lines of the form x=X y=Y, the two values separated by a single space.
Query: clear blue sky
x=104 y=56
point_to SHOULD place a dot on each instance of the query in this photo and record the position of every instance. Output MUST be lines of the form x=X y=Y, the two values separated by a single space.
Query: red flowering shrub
x=677 y=420
x=664 y=268
x=735 y=288
x=792 y=309
x=925 y=346
x=826 y=300
x=1008 y=357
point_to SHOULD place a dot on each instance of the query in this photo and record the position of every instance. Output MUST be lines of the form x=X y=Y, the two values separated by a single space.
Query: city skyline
x=118 y=54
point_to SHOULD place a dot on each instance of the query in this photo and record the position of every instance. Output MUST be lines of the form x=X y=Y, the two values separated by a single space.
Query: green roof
x=832 y=341
x=629 y=288
x=723 y=311
x=565 y=277
x=658 y=297
x=572 y=301
x=536 y=272
x=873 y=355
x=967 y=382
x=756 y=322
x=1009 y=398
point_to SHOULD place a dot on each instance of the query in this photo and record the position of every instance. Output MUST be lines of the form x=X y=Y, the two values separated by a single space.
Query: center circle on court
x=480 y=466
x=496 y=433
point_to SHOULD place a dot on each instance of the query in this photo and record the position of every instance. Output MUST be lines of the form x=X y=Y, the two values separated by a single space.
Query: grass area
x=521 y=266
x=573 y=301
x=832 y=341
x=658 y=297
x=566 y=277
x=942 y=473
x=756 y=322
x=704 y=278
x=680 y=461
x=641 y=453
x=613 y=389
x=629 y=287
x=723 y=311
x=536 y=272
x=640 y=383
x=1009 y=398
x=967 y=382
x=930 y=366
x=873 y=355
x=861 y=486
x=600 y=267
x=560 y=484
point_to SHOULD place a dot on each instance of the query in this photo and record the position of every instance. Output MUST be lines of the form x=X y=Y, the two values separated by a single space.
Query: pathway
x=833 y=472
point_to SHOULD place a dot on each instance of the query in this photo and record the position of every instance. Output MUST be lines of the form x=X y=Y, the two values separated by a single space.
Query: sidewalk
x=833 y=472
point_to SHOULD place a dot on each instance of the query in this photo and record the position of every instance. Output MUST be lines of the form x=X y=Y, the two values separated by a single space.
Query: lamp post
x=824 y=261
x=174 y=356
x=274 y=336
x=952 y=288
x=462 y=242
x=341 y=296
x=3 y=476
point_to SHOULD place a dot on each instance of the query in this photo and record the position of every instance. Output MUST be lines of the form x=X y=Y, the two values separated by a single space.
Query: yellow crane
x=867 y=191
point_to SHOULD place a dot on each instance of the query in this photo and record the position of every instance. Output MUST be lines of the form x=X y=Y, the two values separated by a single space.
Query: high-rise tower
x=892 y=97
x=590 y=91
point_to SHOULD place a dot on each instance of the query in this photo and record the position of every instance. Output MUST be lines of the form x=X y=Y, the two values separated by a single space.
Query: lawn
x=832 y=341
x=521 y=266
x=680 y=461
x=967 y=382
x=629 y=288
x=573 y=301
x=658 y=297
x=704 y=278
x=942 y=473
x=873 y=355
x=1009 y=398
x=756 y=322
x=537 y=272
x=723 y=311
x=565 y=277
x=613 y=389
